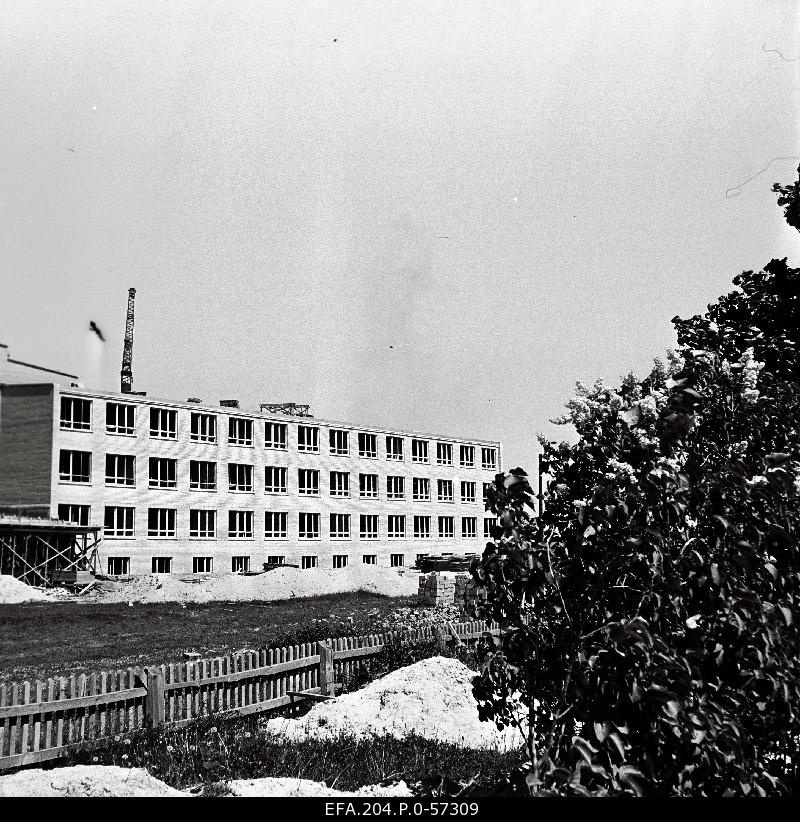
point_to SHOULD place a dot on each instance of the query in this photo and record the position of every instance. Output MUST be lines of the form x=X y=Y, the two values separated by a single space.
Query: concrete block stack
x=459 y=590
x=436 y=589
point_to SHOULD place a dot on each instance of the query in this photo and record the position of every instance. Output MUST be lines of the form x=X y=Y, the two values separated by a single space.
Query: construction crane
x=126 y=375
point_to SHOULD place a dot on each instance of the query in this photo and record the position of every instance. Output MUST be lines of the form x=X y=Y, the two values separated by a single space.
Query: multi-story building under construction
x=182 y=487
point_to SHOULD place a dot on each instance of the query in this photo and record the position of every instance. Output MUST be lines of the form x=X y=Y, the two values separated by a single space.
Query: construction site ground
x=40 y=640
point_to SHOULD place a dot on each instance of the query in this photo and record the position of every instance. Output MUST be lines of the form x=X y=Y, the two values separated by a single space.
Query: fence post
x=154 y=707
x=326 y=674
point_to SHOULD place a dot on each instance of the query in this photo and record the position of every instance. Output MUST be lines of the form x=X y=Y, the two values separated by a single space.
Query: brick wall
x=182 y=549
x=26 y=447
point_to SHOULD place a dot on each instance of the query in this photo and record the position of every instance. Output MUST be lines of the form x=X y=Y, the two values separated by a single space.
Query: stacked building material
x=436 y=589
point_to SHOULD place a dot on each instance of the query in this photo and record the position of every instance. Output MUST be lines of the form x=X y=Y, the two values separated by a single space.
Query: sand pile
x=13 y=591
x=85 y=780
x=110 y=780
x=282 y=583
x=286 y=786
x=432 y=698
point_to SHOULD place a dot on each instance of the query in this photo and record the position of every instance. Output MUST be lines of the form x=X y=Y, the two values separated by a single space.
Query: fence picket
x=14 y=729
x=190 y=694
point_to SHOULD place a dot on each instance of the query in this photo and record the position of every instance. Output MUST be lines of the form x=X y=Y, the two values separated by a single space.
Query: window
x=76 y=414
x=164 y=423
x=118 y=521
x=202 y=524
x=202 y=565
x=240 y=524
x=370 y=559
x=397 y=526
x=397 y=560
x=444 y=490
x=488 y=522
x=340 y=445
x=340 y=484
x=163 y=472
x=308 y=439
x=240 y=431
x=119 y=566
x=422 y=527
x=202 y=475
x=340 y=526
x=161 y=522
x=466 y=456
x=467 y=492
x=419 y=451
x=444 y=453
x=240 y=564
x=204 y=427
x=446 y=529
x=368 y=446
x=368 y=526
x=489 y=458
x=421 y=488
x=394 y=448
x=119 y=418
x=75 y=466
x=308 y=482
x=395 y=488
x=469 y=527
x=486 y=487
x=275 y=479
x=368 y=486
x=275 y=435
x=308 y=562
x=240 y=477
x=161 y=565
x=77 y=514
x=308 y=526
x=274 y=559
x=275 y=524
x=340 y=560
x=120 y=469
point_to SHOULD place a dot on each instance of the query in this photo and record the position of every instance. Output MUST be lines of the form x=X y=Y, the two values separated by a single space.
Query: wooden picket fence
x=40 y=720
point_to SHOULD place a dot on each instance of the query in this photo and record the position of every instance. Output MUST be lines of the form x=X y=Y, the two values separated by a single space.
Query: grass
x=40 y=640
x=209 y=753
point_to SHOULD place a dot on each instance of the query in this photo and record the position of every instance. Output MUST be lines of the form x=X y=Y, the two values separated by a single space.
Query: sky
x=427 y=215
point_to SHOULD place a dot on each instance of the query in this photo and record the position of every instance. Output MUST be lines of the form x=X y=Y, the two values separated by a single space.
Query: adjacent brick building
x=182 y=487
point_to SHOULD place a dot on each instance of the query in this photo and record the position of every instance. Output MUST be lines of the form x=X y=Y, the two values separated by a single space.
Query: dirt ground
x=40 y=640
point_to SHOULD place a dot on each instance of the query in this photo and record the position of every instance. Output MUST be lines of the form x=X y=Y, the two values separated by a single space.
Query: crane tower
x=126 y=382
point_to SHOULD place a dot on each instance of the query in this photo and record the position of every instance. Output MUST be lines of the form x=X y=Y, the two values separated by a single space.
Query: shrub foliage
x=651 y=609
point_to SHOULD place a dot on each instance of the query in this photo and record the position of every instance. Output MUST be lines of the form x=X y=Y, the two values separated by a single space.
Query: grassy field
x=209 y=753
x=40 y=640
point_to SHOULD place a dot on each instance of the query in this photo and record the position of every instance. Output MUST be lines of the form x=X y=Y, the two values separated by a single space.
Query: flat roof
x=10 y=523
x=42 y=368
x=243 y=412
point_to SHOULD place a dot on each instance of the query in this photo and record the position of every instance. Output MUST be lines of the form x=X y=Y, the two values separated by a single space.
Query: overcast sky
x=429 y=215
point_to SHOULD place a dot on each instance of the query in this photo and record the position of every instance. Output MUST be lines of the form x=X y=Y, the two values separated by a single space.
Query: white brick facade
x=182 y=549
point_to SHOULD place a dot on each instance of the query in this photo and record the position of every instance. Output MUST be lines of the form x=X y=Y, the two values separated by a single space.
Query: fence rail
x=43 y=720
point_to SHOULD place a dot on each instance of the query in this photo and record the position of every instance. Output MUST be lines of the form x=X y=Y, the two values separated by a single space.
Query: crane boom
x=126 y=375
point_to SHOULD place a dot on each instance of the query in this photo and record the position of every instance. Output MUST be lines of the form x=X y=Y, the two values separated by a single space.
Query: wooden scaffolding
x=36 y=551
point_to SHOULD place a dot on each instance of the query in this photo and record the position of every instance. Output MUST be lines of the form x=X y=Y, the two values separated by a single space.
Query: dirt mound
x=279 y=584
x=432 y=698
x=85 y=780
x=287 y=786
x=13 y=591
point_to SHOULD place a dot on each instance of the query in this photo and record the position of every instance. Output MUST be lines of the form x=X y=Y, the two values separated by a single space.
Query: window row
x=76 y=415
x=119 y=522
x=121 y=566
x=120 y=469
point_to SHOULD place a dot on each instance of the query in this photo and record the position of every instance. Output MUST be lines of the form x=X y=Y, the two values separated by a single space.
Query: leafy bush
x=651 y=608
